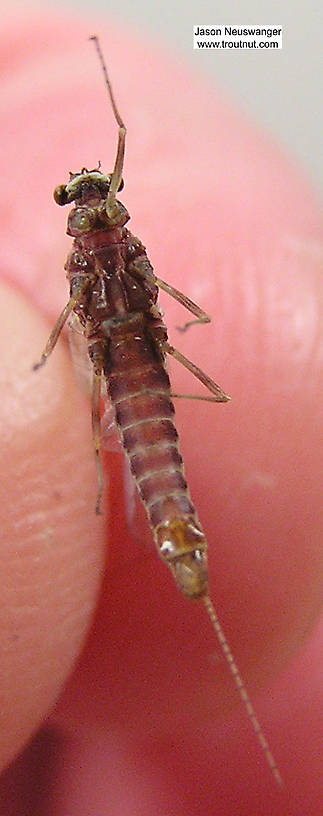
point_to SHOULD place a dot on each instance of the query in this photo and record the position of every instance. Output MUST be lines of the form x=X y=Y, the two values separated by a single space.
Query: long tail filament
x=242 y=689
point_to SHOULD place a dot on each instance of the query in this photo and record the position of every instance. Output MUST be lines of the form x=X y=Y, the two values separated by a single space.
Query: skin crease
x=149 y=721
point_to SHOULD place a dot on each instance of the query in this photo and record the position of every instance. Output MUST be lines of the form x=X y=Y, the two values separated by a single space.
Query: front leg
x=97 y=353
x=59 y=325
x=200 y=315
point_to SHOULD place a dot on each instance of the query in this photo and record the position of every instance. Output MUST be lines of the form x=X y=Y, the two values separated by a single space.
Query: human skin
x=149 y=721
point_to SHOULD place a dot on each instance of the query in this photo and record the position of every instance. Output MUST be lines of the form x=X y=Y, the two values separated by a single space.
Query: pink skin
x=149 y=721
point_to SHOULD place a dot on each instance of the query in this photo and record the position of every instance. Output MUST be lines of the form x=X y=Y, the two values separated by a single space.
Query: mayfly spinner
x=114 y=296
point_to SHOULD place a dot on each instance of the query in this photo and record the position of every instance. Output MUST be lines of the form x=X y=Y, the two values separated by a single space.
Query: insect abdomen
x=140 y=392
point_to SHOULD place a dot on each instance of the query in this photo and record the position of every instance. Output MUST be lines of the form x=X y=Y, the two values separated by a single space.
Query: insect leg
x=212 y=386
x=96 y=429
x=54 y=335
x=97 y=353
x=201 y=316
x=184 y=396
x=198 y=397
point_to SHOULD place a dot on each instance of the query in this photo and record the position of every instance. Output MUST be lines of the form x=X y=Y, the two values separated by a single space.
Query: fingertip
x=53 y=548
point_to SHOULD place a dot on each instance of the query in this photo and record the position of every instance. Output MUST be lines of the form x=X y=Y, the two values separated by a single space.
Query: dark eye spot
x=60 y=195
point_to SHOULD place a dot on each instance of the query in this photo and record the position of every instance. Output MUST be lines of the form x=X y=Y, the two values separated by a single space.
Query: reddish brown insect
x=113 y=293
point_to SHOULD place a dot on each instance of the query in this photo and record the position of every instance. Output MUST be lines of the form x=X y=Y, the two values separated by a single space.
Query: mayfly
x=114 y=297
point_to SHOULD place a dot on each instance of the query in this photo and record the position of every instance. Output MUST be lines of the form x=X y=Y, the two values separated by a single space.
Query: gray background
x=282 y=90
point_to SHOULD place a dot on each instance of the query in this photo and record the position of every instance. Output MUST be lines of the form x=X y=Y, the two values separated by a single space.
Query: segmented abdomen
x=139 y=390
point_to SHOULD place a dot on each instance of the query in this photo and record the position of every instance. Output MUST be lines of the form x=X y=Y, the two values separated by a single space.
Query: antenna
x=116 y=177
x=242 y=689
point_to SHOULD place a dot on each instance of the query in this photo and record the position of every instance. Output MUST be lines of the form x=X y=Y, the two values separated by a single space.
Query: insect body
x=113 y=293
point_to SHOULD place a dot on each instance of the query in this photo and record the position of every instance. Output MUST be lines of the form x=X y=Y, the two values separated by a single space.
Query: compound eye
x=60 y=194
x=121 y=185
